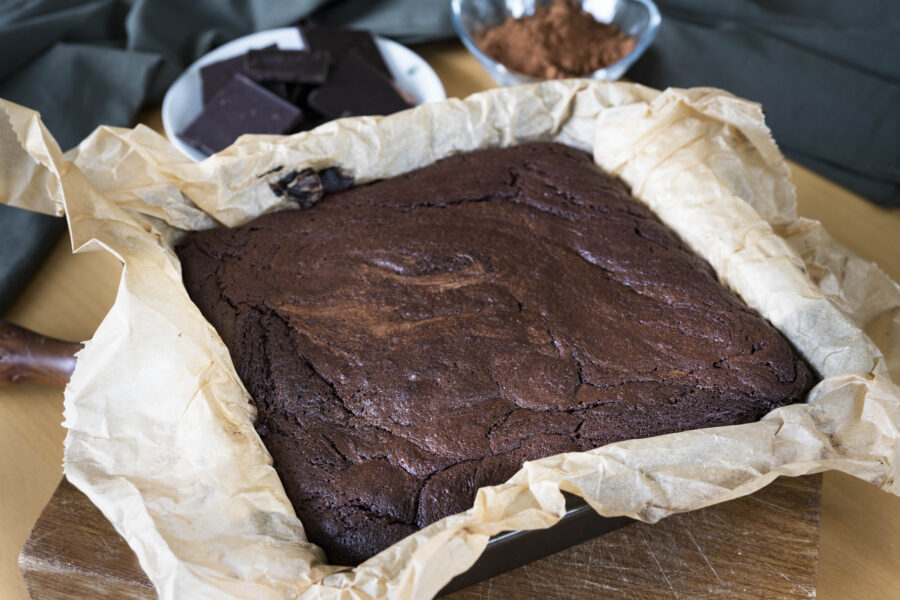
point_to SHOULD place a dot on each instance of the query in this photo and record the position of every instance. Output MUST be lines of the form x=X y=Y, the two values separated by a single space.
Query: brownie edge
x=409 y=341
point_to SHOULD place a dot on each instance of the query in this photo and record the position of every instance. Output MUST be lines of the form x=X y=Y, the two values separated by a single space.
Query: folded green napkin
x=827 y=73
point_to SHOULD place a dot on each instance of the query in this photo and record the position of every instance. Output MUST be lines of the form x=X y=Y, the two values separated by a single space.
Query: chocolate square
x=288 y=66
x=338 y=42
x=355 y=88
x=242 y=106
x=217 y=75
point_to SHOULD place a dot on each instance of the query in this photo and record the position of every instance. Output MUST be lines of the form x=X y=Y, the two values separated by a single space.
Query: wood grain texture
x=761 y=546
x=859 y=555
x=860 y=527
x=764 y=545
x=74 y=552
x=67 y=299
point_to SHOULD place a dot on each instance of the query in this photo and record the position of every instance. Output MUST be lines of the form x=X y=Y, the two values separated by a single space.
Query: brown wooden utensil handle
x=29 y=357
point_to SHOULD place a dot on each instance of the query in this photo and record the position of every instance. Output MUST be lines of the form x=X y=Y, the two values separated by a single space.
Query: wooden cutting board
x=761 y=546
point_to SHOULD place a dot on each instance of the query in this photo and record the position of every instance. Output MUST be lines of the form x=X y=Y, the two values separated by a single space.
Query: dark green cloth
x=25 y=240
x=827 y=73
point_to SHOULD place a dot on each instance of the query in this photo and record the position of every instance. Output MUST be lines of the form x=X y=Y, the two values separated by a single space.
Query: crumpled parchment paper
x=160 y=433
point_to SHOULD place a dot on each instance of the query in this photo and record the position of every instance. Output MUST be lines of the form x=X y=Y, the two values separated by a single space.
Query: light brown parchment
x=160 y=433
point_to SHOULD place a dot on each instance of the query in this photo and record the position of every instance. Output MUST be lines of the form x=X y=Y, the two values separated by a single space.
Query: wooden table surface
x=860 y=535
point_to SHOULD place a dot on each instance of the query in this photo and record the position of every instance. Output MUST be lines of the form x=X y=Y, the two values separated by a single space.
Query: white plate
x=184 y=99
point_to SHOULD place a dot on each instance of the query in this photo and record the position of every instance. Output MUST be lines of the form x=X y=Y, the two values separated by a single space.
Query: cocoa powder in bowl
x=558 y=41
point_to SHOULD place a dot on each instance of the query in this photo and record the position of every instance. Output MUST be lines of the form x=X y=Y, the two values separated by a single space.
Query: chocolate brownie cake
x=409 y=341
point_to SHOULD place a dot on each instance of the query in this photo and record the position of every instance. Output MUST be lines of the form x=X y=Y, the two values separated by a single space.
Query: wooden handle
x=29 y=357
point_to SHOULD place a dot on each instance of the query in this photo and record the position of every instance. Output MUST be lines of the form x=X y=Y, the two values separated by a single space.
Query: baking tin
x=514 y=549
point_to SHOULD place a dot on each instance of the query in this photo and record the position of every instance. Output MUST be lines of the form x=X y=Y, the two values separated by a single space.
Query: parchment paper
x=160 y=433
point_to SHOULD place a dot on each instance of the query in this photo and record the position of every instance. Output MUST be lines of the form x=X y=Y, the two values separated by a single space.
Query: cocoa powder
x=557 y=41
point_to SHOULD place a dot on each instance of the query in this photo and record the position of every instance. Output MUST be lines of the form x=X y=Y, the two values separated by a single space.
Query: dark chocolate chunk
x=338 y=42
x=242 y=106
x=306 y=186
x=218 y=74
x=288 y=66
x=335 y=180
x=356 y=88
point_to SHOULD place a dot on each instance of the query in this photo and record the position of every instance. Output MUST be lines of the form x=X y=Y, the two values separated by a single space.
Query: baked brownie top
x=409 y=341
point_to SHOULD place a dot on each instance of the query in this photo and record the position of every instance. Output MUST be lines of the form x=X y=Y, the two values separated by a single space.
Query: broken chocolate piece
x=306 y=186
x=242 y=106
x=355 y=88
x=217 y=75
x=334 y=180
x=288 y=66
x=342 y=72
x=339 y=42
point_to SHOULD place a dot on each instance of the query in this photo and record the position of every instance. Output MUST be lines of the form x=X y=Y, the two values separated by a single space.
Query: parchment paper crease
x=160 y=428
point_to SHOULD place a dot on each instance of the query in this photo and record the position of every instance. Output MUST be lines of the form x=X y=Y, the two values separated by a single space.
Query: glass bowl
x=637 y=18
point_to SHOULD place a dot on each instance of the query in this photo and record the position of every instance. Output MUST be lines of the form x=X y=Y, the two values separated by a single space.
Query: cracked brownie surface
x=409 y=341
